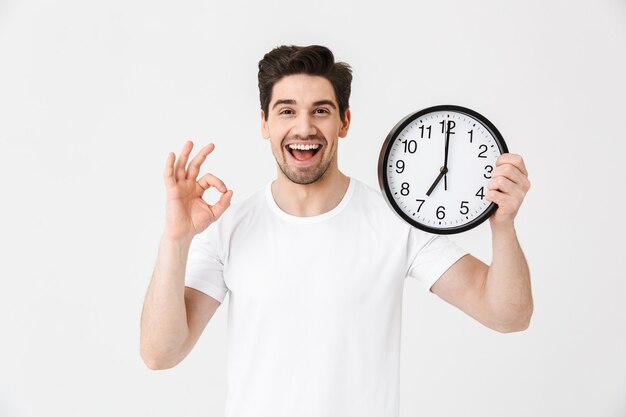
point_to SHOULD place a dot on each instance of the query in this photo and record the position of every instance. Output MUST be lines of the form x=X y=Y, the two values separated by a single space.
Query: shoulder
x=377 y=219
x=378 y=213
x=365 y=192
x=370 y=202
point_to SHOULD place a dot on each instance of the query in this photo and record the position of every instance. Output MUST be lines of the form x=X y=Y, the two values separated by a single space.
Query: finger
x=179 y=169
x=513 y=159
x=513 y=174
x=196 y=163
x=209 y=180
x=505 y=202
x=510 y=172
x=168 y=174
x=220 y=207
x=507 y=196
x=507 y=205
x=506 y=186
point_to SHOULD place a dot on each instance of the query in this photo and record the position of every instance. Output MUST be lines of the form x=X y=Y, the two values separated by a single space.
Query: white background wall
x=94 y=94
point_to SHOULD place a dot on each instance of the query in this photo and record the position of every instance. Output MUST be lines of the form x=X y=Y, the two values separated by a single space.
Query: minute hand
x=445 y=155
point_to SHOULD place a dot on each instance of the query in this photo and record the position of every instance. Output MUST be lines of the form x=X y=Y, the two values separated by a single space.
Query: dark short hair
x=312 y=60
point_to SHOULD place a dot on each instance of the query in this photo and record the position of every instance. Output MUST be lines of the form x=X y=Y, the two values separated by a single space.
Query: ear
x=345 y=125
x=265 y=130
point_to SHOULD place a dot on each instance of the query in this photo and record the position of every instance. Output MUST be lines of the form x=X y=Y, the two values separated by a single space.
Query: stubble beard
x=309 y=175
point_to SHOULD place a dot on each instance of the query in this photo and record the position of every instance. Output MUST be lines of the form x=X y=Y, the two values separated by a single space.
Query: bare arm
x=173 y=316
x=499 y=296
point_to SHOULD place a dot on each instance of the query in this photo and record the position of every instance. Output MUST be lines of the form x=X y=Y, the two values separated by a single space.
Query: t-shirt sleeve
x=435 y=254
x=205 y=266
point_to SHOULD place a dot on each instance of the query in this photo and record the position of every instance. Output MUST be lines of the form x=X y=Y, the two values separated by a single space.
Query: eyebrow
x=317 y=103
x=325 y=103
x=279 y=102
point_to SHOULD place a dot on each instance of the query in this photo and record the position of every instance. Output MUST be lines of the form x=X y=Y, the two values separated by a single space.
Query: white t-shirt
x=315 y=302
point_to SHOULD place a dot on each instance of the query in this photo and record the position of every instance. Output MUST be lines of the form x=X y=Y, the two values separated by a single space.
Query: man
x=315 y=262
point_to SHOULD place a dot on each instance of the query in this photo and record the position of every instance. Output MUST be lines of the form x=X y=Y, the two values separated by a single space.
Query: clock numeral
x=399 y=166
x=409 y=146
x=488 y=168
x=422 y=128
x=420 y=206
x=471 y=133
x=441 y=212
x=482 y=154
x=405 y=189
x=481 y=193
x=464 y=208
x=451 y=125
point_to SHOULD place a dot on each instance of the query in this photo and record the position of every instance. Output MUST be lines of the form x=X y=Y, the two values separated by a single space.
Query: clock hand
x=445 y=158
x=450 y=125
x=444 y=168
x=444 y=171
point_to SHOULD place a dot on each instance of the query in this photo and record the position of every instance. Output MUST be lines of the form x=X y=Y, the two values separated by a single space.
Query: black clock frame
x=384 y=156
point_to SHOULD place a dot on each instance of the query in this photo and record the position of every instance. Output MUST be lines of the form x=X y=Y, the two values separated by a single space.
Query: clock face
x=435 y=165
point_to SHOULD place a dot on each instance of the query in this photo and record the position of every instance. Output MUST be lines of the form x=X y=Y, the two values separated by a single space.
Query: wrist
x=180 y=241
x=502 y=228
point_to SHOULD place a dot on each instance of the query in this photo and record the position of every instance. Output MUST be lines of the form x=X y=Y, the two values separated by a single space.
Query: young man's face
x=304 y=114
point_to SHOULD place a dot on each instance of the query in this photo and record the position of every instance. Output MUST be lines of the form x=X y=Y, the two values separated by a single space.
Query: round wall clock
x=434 y=167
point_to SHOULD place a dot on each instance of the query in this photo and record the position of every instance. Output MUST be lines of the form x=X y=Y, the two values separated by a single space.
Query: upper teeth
x=303 y=147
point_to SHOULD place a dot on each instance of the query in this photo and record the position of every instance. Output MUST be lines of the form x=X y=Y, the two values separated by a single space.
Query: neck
x=311 y=199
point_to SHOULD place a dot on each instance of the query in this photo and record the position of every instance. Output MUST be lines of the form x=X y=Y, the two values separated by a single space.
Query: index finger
x=513 y=159
x=198 y=160
x=179 y=168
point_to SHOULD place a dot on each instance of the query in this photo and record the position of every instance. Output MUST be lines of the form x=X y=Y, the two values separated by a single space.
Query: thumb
x=220 y=207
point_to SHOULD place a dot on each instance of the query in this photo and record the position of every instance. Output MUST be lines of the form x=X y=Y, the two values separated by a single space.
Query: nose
x=304 y=126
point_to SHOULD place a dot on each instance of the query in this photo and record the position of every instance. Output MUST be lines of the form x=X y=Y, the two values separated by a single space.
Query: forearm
x=507 y=288
x=164 y=326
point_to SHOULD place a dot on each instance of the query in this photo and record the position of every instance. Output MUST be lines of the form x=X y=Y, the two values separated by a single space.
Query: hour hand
x=444 y=171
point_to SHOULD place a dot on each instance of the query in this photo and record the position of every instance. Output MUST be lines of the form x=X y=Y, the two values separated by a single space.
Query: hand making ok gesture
x=187 y=214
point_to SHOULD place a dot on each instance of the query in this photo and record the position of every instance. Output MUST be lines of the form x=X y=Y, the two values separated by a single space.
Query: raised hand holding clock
x=484 y=174
x=507 y=188
x=487 y=182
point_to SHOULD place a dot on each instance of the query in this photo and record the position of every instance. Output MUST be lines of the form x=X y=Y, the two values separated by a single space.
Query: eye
x=286 y=111
x=322 y=111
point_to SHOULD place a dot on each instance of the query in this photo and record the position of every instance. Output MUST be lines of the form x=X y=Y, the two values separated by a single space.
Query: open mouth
x=303 y=152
